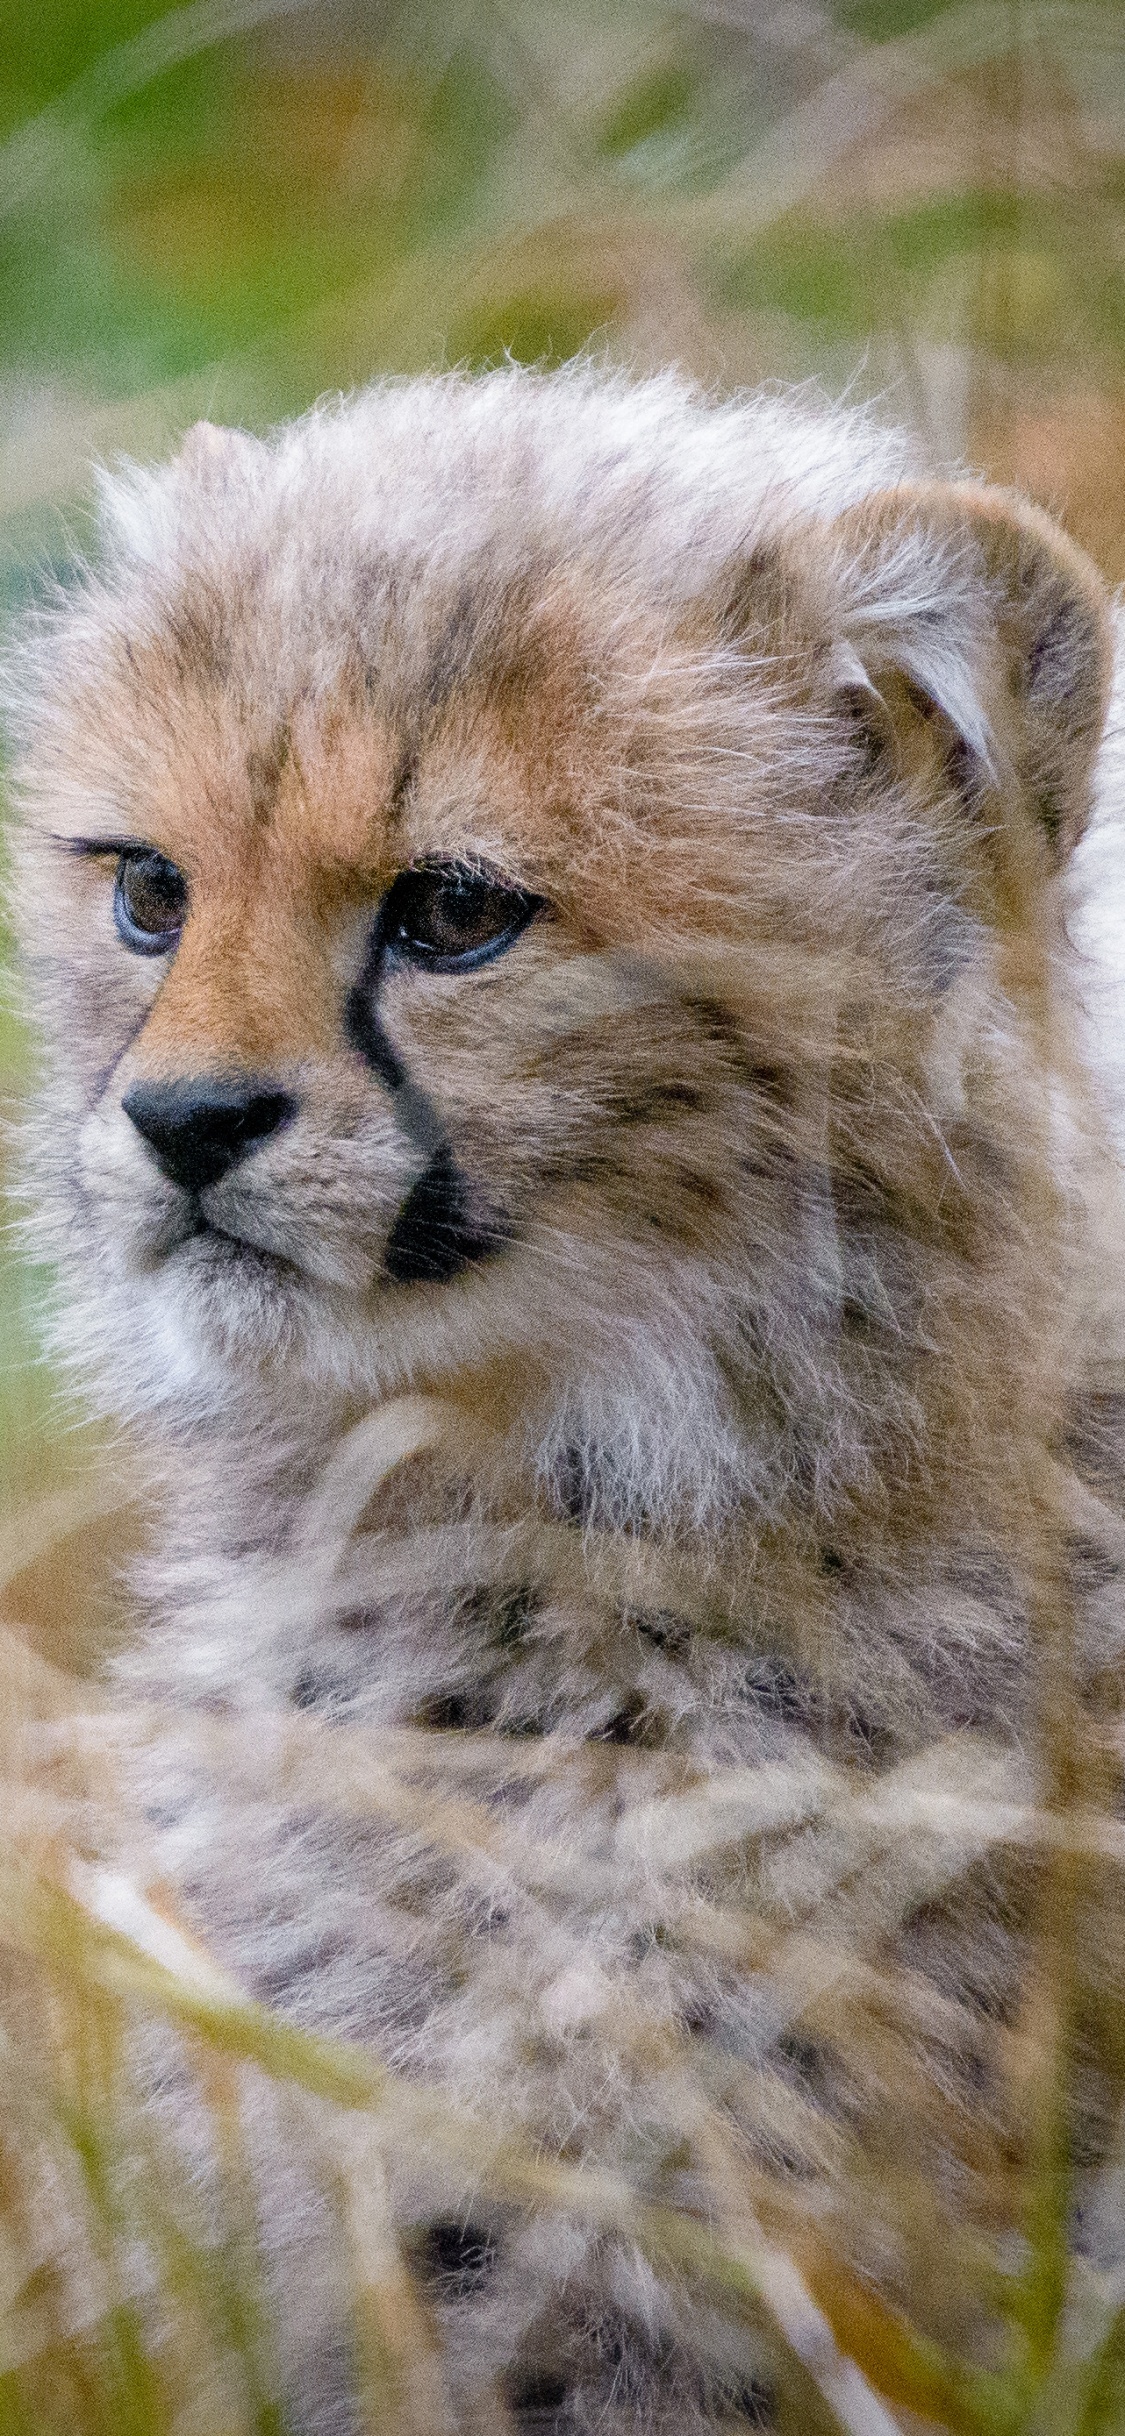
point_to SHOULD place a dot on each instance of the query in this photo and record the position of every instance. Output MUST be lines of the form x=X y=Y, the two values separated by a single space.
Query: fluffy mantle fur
x=751 y=1423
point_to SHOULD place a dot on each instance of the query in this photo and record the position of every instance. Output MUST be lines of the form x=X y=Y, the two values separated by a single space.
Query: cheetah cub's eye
x=448 y=917
x=149 y=901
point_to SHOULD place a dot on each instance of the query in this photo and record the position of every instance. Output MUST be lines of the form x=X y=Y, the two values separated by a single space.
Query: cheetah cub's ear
x=209 y=452
x=967 y=606
x=147 y=514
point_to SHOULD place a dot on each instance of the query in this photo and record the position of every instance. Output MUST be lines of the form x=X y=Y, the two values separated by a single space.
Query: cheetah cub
x=567 y=1137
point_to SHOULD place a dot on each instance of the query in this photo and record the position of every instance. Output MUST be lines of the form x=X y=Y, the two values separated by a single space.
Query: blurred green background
x=233 y=206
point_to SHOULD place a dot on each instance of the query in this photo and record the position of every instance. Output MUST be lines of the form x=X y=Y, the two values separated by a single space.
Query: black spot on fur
x=504 y=1614
x=869 y=1208
x=770 y=1082
x=519 y=1726
x=574 y=1491
x=1091 y=1566
x=456 y=1712
x=360 y=1619
x=434 y=1236
x=1096 y=1443
x=861 y=1197
x=967 y=774
x=861 y=1737
x=751 y=2401
x=456 y=2259
x=1060 y=652
x=715 y=1021
x=805 y=2060
x=779 y=1693
x=514 y=1613
x=167 y=1813
x=693 y=1199
x=868 y=735
x=291 y=1974
x=698 y=1191
x=537 y=2398
x=636 y=2359
x=662 y=1628
x=769 y=1161
x=583 y=1167
x=650 y=1102
x=308 y=1691
x=856 y=1320
x=632 y=1723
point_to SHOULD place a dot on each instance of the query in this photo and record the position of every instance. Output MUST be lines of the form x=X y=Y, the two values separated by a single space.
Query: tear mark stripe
x=414 y=1108
x=435 y=1235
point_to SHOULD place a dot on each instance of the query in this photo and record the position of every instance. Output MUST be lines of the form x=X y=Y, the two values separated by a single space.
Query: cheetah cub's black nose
x=200 y=1128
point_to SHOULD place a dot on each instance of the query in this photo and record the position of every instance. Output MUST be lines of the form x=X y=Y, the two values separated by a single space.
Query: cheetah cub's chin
x=547 y=898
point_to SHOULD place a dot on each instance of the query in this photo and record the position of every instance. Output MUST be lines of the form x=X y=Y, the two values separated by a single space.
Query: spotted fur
x=748 y=1215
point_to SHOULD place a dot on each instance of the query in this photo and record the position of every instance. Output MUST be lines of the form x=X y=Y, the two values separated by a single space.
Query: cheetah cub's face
x=461 y=836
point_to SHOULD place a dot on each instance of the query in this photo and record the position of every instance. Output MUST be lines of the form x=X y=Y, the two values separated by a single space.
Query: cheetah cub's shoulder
x=566 y=1133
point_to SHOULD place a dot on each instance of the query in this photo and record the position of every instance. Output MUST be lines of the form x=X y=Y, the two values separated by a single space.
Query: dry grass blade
x=152 y=1961
x=850 y=106
x=131 y=1949
x=873 y=1851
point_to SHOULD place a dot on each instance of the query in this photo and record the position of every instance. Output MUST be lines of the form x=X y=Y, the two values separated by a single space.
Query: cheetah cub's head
x=544 y=870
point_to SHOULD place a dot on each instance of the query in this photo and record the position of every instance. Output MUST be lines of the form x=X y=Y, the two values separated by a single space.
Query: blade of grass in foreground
x=752 y=2274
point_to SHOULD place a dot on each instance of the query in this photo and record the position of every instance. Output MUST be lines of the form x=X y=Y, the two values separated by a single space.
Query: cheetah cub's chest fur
x=564 y=1135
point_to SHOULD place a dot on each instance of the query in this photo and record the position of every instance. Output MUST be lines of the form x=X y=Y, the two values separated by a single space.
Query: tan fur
x=779 y=1113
